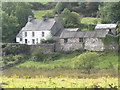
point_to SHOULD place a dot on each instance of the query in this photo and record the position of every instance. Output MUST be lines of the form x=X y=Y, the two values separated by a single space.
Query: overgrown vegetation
x=86 y=61
x=50 y=40
x=110 y=39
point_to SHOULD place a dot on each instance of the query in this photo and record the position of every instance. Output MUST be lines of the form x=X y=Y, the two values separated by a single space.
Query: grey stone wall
x=94 y=44
x=72 y=44
x=44 y=47
x=112 y=46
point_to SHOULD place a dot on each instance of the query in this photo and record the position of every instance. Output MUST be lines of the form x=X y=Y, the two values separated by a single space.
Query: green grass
x=40 y=13
x=107 y=59
x=43 y=2
x=90 y=20
x=107 y=65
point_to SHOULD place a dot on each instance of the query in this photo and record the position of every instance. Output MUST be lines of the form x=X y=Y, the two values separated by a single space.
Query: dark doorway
x=26 y=41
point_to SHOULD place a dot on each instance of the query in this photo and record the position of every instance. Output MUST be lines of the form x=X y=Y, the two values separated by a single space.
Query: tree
x=110 y=12
x=87 y=61
x=59 y=7
x=14 y=17
x=70 y=19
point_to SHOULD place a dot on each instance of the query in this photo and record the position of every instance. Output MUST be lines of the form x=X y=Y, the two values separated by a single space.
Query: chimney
x=56 y=17
x=30 y=18
x=45 y=18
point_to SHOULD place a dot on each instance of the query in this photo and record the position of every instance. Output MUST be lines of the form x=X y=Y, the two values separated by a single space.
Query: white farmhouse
x=37 y=29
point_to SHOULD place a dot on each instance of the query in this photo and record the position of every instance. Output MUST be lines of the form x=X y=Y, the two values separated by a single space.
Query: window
x=36 y=40
x=20 y=39
x=33 y=41
x=25 y=34
x=65 y=40
x=42 y=34
x=26 y=41
x=33 y=34
x=80 y=39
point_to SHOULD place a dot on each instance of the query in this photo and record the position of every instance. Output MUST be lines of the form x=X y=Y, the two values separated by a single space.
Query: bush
x=39 y=55
x=47 y=41
x=86 y=61
x=110 y=38
x=11 y=58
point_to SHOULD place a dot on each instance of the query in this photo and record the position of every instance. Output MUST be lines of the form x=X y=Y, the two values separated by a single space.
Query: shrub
x=39 y=55
x=47 y=41
x=86 y=61
x=110 y=38
x=11 y=58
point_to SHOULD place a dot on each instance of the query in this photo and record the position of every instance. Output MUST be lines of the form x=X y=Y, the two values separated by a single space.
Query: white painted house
x=37 y=29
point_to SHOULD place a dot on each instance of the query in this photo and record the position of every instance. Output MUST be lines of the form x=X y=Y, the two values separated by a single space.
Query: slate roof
x=106 y=26
x=83 y=34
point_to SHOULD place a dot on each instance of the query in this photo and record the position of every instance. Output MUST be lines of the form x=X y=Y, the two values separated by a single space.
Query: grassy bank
x=107 y=65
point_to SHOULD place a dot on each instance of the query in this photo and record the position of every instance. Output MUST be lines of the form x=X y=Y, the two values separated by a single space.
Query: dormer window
x=25 y=34
x=33 y=34
x=43 y=34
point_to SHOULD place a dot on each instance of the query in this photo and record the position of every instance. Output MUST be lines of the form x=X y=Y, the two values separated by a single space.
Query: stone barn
x=89 y=40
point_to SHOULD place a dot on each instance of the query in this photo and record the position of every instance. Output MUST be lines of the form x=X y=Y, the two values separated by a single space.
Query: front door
x=25 y=41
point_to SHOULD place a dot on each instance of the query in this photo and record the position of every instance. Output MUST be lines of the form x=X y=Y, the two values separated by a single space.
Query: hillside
x=107 y=64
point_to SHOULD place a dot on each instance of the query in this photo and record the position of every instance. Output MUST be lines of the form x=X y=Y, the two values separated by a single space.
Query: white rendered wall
x=37 y=37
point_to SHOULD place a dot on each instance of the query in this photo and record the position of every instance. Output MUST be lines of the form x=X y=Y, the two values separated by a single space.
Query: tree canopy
x=14 y=17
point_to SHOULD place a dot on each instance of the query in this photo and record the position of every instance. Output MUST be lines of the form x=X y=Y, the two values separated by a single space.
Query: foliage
x=70 y=19
x=15 y=16
x=59 y=7
x=10 y=58
x=50 y=40
x=110 y=12
x=87 y=9
x=86 y=61
x=39 y=55
x=15 y=49
x=110 y=39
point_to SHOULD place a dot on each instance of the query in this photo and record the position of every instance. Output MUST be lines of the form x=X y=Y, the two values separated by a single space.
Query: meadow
x=61 y=74
x=58 y=82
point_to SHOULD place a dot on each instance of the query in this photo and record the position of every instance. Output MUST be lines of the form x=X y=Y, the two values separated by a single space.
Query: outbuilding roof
x=106 y=26
x=83 y=34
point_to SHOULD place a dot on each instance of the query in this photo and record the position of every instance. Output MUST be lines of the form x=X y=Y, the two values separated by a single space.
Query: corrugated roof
x=106 y=26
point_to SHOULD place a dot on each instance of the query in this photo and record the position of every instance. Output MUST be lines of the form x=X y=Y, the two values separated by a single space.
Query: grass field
x=40 y=13
x=90 y=20
x=107 y=65
x=60 y=73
